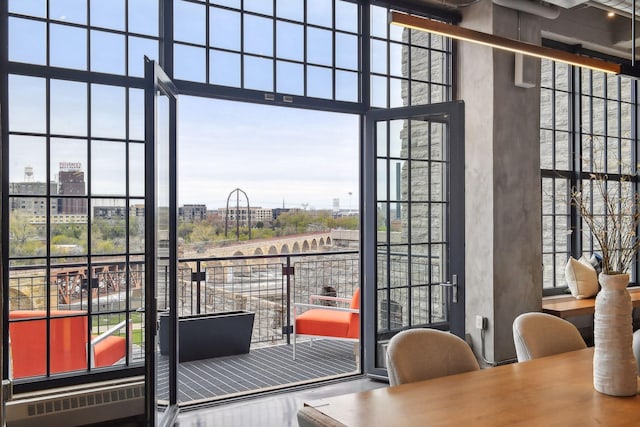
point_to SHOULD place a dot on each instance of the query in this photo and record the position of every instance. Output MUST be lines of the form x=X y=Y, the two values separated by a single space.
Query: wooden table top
x=551 y=391
x=568 y=307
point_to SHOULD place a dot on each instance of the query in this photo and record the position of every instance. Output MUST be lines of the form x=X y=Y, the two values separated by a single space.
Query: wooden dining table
x=550 y=391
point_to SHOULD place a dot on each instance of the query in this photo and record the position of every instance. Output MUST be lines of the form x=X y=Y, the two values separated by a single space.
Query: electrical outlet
x=481 y=322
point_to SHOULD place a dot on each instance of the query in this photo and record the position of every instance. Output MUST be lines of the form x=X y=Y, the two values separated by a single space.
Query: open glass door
x=414 y=211
x=161 y=255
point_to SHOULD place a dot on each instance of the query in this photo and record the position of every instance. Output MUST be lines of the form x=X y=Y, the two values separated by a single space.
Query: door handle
x=453 y=284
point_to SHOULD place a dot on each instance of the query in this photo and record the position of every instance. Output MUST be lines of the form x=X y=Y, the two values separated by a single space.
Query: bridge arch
x=258 y=251
x=284 y=249
x=273 y=250
x=296 y=247
x=305 y=246
x=314 y=245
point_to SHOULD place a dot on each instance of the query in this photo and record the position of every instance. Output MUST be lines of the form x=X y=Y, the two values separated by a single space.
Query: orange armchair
x=324 y=321
x=68 y=343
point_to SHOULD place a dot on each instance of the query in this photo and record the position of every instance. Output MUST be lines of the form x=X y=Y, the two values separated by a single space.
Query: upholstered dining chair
x=540 y=334
x=421 y=354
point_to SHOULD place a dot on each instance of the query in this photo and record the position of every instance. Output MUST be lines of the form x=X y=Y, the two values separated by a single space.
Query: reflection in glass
x=136 y=225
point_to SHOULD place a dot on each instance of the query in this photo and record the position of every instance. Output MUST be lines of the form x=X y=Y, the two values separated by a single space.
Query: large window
x=587 y=125
x=73 y=144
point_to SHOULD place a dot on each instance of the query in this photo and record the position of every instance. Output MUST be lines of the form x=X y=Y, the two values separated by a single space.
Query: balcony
x=266 y=285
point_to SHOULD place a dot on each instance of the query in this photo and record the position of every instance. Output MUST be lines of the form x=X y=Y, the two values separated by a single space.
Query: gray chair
x=539 y=334
x=421 y=354
x=310 y=417
x=636 y=348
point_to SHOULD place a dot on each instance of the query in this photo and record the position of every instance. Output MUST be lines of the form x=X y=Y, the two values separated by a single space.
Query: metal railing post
x=198 y=300
x=288 y=300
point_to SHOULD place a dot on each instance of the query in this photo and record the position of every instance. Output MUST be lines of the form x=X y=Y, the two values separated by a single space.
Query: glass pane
x=378 y=92
x=27 y=165
x=319 y=12
x=546 y=149
x=398 y=138
x=69 y=227
x=290 y=9
x=258 y=35
x=381 y=139
x=290 y=41
x=346 y=86
x=381 y=179
x=562 y=151
x=107 y=52
x=29 y=7
x=136 y=225
x=189 y=22
x=419 y=60
x=108 y=14
x=27 y=221
x=259 y=6
x=319 y=46
x=224 y=30
x=108 y=226
x=190 y=63
x=319 y=82
x=27 y=41
x=290 y=78
x=438 y=222
x=379 y=24
x=27 y=104
x=108 y=168
x=136 y=169
x=68 y=163
x=378 y=57
x=346 y=51
x=346 y=16
x=398 y=58
x=108 y=111
x=138 y=48
x=68 y=108
x=136 y=114
x=143 y=16
x=437 y=142
x=68 y=10
x=68 y=47
x=421 y=222
x=398 y=93
x=258 y=73
x=225 y=68
x=398 y=180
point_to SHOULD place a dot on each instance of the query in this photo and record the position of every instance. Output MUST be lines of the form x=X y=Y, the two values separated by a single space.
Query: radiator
x=77 y=406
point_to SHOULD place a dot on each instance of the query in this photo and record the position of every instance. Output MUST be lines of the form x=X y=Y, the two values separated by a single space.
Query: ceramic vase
x=614 y=366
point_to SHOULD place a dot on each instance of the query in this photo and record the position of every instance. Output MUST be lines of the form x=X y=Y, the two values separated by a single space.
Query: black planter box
x=202 y=336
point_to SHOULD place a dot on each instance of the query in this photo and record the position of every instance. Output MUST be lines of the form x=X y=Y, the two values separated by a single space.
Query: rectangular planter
x=203 y=336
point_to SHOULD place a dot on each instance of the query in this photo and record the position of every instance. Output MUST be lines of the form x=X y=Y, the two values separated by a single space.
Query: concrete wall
x=503 y=200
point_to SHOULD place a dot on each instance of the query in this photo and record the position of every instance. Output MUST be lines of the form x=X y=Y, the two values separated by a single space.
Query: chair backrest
x=68 y=342
x=539 y=334
x=354 y=320
x=421 y=354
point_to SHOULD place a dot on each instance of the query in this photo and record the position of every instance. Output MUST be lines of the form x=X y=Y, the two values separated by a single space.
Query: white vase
x=614 y=366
